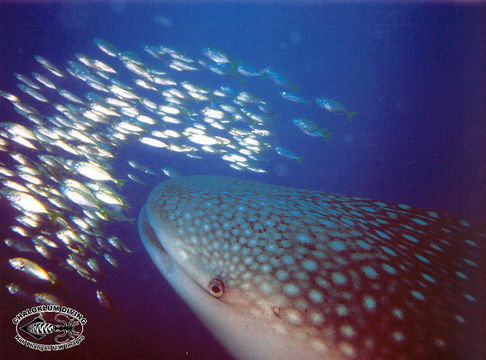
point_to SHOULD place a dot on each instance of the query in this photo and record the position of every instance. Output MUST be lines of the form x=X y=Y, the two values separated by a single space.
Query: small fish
x=106 y=47
x=27 y=81
x=203 y=139
x=215 y=55
x=44 y=81
x=152 y=142
x=141 y=167
x=32 y=92
x=277 y=78
x=18 y=130
x=293 y=97
x=94 y=265
x=170 y=172
x=99 y=65
x=146 y=120
x=82 y=198
x=117 y=244
x=45 y=240
x=10 y=97
x=42 y=249
x=123 y=92
x=136 y=179
x=111 y=260
x=221 y=68
x=32 y=269
x=76 y=265
x=15 y=289
x=49 y=66
x=68 y=95
x=246 y=97
x=287 y=153
x=18 y=245
x=109 y=198
x=105 y=300
x=45 y=298
x=24 y=201
x=335 y=107
x=181 y=66
x=311 y=128
x=245 y=69
x=94 y=171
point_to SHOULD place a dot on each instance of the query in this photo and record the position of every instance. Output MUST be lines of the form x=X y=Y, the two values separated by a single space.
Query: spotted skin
x=354 y=278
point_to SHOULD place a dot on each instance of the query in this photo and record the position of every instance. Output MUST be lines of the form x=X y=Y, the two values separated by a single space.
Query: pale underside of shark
x=281 y=273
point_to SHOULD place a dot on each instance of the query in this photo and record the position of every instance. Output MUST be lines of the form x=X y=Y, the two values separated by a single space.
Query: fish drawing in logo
x=39 y=328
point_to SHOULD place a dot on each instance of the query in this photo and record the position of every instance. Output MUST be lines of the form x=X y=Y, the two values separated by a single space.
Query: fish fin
x=53 y=215
x=351 y=115
x=119 y=183
x=104 y=212
x=57 y=283
x=52 y=278
x=325 y=134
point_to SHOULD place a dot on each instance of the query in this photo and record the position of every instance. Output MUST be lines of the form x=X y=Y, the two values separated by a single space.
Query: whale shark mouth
x=154 y=247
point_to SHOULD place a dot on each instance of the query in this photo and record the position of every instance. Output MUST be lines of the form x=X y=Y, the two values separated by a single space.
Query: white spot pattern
x=370 y=277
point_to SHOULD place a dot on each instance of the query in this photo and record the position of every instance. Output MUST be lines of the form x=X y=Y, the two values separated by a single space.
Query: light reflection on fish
x=280 y=273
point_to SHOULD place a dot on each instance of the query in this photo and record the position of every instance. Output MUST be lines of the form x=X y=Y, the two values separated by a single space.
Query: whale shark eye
x=216 y=288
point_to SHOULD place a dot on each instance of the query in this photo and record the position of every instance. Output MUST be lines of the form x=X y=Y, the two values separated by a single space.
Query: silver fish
x=32 y=269
x=335 y=107
x=45 y=298
x=281 y=273
x=49 y=66
x=170 y=172
x=287 y=153
x=18 y=245
x=105 y=300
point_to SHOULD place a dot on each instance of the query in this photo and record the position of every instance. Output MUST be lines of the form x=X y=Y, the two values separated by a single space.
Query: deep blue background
x=414 y=73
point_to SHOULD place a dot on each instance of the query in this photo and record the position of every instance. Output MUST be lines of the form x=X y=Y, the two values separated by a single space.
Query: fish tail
x=351 y=115
x=235 y=65
x=53 y=215
x=119 y=183
x=325 y=134
x=299 y=158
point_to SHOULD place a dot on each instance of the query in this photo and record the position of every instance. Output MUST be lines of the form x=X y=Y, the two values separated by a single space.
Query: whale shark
x=282 y=273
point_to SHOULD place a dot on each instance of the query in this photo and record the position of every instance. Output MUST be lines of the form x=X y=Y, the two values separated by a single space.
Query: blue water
x=414 y=73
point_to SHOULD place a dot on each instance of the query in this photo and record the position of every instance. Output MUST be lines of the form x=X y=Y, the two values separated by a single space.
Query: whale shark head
x=280 y=273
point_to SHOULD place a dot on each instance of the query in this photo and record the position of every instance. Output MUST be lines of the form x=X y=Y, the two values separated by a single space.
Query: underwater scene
x=242 y=180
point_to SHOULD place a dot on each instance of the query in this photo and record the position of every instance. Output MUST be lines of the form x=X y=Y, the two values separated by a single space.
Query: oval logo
x=49 y=327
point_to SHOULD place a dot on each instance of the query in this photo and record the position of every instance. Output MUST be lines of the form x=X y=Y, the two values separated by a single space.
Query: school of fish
x=57 y=157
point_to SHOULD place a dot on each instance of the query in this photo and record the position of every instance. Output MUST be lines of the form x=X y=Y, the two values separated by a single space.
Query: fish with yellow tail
x=335 y=107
